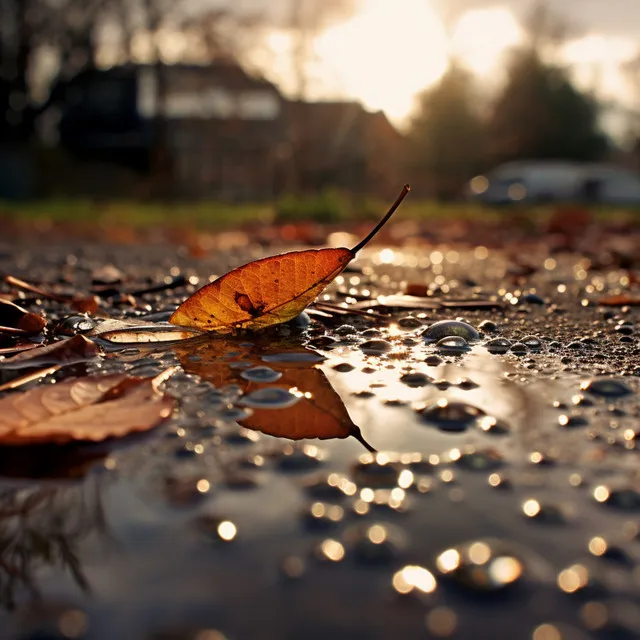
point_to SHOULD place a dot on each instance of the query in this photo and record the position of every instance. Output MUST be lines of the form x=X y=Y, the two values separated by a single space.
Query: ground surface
x=509 y=511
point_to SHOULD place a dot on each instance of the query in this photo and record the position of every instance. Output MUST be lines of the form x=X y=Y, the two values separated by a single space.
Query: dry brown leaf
x=76 y=349
x=84 y=304
x=622 y=300
x=133 y=332
x=12 y=315
x=84 y=409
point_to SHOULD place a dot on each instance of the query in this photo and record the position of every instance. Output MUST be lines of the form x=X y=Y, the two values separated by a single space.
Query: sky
x=389 y=50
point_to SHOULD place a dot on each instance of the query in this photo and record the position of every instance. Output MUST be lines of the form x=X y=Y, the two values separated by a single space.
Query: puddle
x=363 y=480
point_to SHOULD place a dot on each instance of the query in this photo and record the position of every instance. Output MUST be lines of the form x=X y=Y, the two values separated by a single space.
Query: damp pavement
x=474 y=470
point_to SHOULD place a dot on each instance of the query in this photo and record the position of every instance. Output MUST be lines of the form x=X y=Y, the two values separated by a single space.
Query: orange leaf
x=268 y=291
x=264 y=292
x=85 y=409
x=75 y=349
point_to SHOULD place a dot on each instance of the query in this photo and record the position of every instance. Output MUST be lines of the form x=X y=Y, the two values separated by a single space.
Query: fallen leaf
x=30 y=377
x=319 y=411
x=76 y=349
x=17 y=348
x=84 y=409
x=85 y=304
x=269 y=291
x=125 y=332
x=14 y=316
x=622 y=300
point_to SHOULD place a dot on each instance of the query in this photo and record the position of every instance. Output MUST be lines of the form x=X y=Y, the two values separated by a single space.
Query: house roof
x=334 y=125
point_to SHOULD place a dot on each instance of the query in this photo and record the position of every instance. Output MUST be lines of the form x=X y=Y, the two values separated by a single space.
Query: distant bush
x=327 y=206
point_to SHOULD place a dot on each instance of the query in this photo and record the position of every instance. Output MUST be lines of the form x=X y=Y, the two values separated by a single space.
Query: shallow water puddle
x=364 y=480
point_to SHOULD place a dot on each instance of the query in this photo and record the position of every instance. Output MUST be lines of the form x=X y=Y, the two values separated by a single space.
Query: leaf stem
x=357 y=434
x=392 y=210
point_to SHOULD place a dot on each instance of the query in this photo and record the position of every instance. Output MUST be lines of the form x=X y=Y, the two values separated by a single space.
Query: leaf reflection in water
x=41 y=528
x=319 y=411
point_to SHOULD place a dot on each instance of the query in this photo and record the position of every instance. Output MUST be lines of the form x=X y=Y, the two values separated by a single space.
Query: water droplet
x=545 y=513
x=270 y=398
x=453 y=344
x=481 y=565
x=321 y=516
x=466 y=384
x=330 y=550
x=335 y=486
x=477 y=459
x=533 y=298
x=447 y=328
x=261 y=374
x=450 y=416
x=386 y=501
x=498 y=481
x=532 y=342
x=343 y=367
x=71 y=325
x=346 y=330
x=493 y=426
x=573 y=578
x=433 y=361
x=215 y=528
x=519 y=348
x=375 y=347
x=234 y=414
x=409 y=322
x=498 y=345
x=606 y=387
x=488 y=326
x=627 y=499
x=300 y=458
x=415 y=379
x=293 y=356
x=377 y=543
x=601 y=548
x=240 y=437
x=413 y=578
x=377 y=470
x=571 y=421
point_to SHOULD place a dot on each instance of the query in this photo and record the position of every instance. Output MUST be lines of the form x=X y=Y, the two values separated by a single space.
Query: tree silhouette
x=541 y=115
x=446 y=134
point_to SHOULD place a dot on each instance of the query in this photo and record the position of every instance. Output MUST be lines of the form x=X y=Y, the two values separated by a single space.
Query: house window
x=258 y=105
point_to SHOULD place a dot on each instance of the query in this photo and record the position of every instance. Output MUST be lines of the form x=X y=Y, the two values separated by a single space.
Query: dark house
x=224 y=129
x=343 y=145
x=227 y=134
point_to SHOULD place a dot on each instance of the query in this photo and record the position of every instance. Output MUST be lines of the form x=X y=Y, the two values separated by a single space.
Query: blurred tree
x=541 y=115
x=446 y=134
x=66 y=29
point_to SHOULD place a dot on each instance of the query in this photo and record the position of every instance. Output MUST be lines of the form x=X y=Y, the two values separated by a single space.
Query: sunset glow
x=481 y=38
x=385 y=54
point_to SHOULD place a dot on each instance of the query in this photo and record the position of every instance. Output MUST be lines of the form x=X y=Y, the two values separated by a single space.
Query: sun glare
x=385 y=54
x=482 y=36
